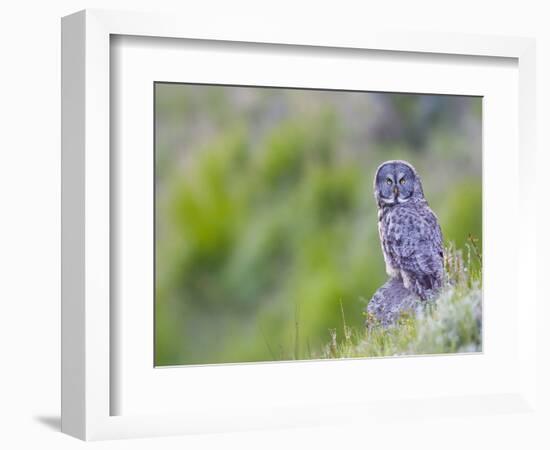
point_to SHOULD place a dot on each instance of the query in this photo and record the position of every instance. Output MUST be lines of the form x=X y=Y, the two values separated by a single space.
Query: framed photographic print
x=265 y=228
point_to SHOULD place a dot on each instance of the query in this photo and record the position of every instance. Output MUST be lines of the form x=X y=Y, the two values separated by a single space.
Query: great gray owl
x=410 y=234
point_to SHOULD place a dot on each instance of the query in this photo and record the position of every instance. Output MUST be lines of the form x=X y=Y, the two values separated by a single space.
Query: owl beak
x=396 y=191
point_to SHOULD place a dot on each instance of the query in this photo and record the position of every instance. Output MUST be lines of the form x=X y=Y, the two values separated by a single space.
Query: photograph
x=258 y=226
x=296 y=223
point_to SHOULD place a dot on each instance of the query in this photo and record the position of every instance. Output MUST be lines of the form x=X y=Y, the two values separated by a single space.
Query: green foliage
x=463 y=213
x=266 y=229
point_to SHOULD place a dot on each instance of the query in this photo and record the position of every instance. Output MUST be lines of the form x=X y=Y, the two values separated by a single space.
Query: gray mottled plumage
x=410 y=234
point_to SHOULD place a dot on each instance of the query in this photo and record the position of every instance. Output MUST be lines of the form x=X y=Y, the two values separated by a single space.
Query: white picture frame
x=88 y=331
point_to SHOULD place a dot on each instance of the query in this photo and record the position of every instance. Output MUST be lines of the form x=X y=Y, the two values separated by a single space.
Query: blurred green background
x=266 y=228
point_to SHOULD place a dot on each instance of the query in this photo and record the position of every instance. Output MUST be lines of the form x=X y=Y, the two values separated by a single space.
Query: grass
x=451 y=323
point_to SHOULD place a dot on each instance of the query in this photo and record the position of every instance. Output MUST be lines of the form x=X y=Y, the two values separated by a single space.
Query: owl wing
x=416 y=243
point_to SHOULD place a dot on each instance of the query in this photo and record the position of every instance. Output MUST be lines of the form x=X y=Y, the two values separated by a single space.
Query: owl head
x=396 y=182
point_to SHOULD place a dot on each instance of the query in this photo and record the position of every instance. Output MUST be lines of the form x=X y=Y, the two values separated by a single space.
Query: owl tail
x=391 y=301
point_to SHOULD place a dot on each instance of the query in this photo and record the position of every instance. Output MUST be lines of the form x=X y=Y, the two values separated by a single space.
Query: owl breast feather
x=413 y=246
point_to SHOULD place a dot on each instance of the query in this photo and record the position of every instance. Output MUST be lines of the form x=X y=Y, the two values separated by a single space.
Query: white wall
x=30 y=188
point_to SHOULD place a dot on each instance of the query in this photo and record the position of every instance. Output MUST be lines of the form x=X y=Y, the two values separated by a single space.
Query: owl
x=409 y=231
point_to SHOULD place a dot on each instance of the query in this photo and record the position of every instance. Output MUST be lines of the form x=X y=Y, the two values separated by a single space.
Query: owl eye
x=402 y=181
x=389 y=181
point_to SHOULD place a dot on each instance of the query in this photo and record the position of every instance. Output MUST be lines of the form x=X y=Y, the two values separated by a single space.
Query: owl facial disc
x=396 y=182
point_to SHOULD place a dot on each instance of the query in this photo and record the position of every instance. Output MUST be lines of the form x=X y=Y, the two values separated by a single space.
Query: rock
x=390 y=302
